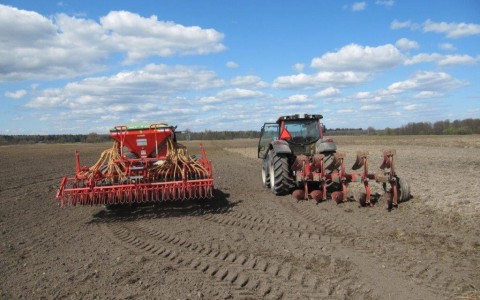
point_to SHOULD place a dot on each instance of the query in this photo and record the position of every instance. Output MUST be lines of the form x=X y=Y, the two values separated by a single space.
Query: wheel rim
x=264 y=176
x=272 y=177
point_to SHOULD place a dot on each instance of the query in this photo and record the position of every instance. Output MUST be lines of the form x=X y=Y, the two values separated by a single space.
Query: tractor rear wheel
x=280 y=181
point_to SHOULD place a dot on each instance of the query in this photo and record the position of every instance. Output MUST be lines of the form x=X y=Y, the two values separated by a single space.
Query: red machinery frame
x=314 y=171
x=139 y=183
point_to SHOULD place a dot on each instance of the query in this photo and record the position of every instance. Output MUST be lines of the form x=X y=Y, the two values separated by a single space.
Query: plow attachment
x=145 y=164
x=313 y=176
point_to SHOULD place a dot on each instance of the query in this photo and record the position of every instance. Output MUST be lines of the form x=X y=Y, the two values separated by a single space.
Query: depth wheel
x=280 y=180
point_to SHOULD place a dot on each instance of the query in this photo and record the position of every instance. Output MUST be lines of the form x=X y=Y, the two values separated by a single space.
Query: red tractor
x=296 y=157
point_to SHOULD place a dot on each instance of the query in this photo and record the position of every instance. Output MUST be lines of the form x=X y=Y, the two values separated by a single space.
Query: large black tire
x=266 y=172
x=280 y=180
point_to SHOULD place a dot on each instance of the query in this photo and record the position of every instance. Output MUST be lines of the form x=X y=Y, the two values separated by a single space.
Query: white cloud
x=298 y=98
x=298 y=67
x=386 y=3
x=422 y=58
x=35 y=47
x=441 y=60
x=447 y=47
x=327 y=93
x=455 y=60
x=370 y=107
x=142 y=37
x=358 y=6
x=452 y=30
x=232 y=94
x=320 y=80
x=346 y=111
x=425 y=81
x=16 y=95
x=250 y=81
x=406 y=44
x=231 y=65
x=239 y=94
x=428 y=94
x=150 y=84
x=395 y=25
x=363 y=95
x=412 y=107
x=354 y=57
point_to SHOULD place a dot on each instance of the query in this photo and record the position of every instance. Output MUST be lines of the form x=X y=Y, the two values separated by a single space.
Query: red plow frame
x=313 y=170
x=155 y=168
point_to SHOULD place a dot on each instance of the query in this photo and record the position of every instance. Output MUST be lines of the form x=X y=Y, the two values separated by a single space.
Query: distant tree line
x=53 y=138
x=217 y=135
x=457 y=127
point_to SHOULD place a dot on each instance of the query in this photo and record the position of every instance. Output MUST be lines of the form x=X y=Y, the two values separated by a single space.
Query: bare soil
x=246 y=243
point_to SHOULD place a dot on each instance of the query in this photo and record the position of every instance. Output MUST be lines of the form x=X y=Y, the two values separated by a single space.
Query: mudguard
x=281 y=147
x=324 y=146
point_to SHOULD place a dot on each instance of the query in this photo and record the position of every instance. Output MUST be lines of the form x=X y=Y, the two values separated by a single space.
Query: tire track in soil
x=422 y=266
x=343 y=241
x=248 y=275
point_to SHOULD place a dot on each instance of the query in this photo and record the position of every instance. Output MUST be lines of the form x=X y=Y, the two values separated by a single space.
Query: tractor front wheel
x=280 y=181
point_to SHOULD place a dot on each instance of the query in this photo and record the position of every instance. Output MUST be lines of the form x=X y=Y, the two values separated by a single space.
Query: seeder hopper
x=145 y=164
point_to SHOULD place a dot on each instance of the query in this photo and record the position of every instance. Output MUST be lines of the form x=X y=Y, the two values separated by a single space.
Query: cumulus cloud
x=428 y=94
x=412 y=107
x=16 y=95
x=455 y=60
x=441 y=60
x=395 y=25
x=250 y=81
x=354 y=57
x=231 y=65
x=297 y=98
x=386 y=3
x=150 y=84
x=406 y=44
x=370 y=107
x=328 y=92
x=358 y=6
x=320 y=80
x=447 y=47
x=232 y=94
x=426 y=81
x=298 y=67
x=36 y=47
x=141 y=37
x=452 y=30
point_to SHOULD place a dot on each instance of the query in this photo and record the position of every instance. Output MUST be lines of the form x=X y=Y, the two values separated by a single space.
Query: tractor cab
x=300 y=131
x=296 y=133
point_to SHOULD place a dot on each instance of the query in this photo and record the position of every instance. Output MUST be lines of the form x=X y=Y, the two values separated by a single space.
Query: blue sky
x=85 y=66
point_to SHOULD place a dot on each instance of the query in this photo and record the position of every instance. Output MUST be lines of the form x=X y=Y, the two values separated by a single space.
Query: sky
x=75 y=67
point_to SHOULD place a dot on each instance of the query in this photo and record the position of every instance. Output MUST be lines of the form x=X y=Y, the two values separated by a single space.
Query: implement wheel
x=280 y=181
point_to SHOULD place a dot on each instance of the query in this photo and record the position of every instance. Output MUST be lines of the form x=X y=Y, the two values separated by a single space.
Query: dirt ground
x=246 y=243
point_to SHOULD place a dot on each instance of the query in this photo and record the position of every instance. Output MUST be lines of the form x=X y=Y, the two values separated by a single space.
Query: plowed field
x=246 y=243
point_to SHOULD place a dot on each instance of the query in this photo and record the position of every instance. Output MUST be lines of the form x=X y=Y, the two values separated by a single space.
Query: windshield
x=302 y=132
